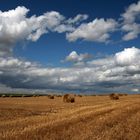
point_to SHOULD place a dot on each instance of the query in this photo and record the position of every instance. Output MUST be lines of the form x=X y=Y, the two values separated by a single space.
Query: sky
x=83 y=46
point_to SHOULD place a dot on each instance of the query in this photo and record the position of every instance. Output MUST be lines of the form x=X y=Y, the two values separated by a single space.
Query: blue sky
x=59 y=44
x=43 y=49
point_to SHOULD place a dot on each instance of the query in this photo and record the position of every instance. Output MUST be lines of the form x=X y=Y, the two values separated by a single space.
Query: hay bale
x=23 y=96
x=34 y=95
x=58 y=95
x=69 y=98
x=11 y=95
x=3 y=96
x=51 y=96
x=114 y=96
x=120 y=94
x=79 y=95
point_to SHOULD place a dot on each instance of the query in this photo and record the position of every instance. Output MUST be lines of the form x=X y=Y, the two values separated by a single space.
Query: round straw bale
x=69 y=98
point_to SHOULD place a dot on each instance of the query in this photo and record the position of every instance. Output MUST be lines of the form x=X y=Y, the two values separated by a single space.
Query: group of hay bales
x=58 y=95
x=122 y=94
x=53 y=96
x=115 y=96
x=67 y=98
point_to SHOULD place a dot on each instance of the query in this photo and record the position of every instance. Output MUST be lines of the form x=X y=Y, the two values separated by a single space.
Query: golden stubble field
x=89 y=118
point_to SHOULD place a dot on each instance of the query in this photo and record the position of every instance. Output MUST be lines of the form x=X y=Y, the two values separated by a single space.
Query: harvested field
x=89 y=118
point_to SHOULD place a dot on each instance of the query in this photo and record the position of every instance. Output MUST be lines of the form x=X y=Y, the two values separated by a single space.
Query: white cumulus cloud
x=131 y=25
x=74 y=57
x=77 y=19
x=98 y=30
x=129 y=56
x=15 y=26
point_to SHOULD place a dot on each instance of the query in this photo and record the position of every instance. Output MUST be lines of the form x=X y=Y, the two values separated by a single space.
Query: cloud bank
x=113 y=73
